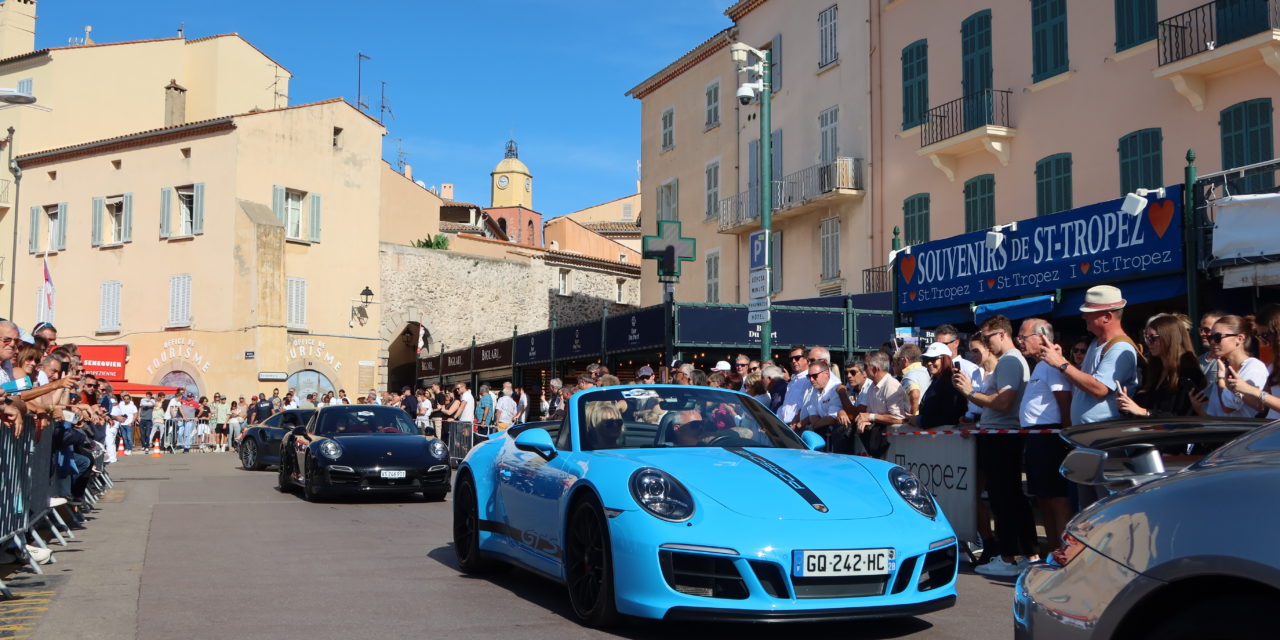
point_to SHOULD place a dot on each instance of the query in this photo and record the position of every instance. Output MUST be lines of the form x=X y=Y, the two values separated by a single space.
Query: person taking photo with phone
x=1173 y=382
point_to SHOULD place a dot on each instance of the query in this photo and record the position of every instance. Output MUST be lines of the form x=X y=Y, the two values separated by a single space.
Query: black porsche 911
x=260 y=443
x=352 y=449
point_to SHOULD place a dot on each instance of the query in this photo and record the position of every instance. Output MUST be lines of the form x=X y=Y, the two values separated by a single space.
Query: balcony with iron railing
x=972 y=123
x=1214 y=38
x=795 y=194
x=876 y=279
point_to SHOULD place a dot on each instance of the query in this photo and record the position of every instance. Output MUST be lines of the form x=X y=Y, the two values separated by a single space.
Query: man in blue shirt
x=484 y=406
x=1112 y=359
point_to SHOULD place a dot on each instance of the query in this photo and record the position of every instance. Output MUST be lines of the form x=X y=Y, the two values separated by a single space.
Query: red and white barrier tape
x=957 y=432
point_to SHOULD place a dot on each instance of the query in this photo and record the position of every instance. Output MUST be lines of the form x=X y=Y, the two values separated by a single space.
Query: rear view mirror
x=1084 y=466
x=299 y=431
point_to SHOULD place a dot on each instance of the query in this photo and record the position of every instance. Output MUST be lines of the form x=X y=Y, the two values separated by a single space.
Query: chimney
x=408 y=171
x=17 y=27
x=88 y=34
x=175 y=104
x=446 y=190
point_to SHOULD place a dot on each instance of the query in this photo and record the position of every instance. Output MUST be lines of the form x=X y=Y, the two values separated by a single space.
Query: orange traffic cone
x=155 y=451
x=119 y=446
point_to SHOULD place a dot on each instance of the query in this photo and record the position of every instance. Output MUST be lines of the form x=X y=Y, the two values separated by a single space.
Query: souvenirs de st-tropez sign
x=1080 y=247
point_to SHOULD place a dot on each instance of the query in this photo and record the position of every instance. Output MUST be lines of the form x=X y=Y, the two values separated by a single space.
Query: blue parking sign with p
x=759 y=249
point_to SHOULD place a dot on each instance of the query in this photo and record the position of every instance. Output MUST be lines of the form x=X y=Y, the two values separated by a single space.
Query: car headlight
x=913 y=491
x=330 y=450
x=438 y=449
x=661 y=495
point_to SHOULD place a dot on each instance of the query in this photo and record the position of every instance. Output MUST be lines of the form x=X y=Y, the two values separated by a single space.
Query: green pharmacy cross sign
x=669 y=249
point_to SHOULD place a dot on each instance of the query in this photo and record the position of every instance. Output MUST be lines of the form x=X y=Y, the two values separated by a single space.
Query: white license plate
x=392 y=474
x=842 y=562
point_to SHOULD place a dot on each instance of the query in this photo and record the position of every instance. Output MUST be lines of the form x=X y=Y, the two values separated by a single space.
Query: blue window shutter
x=34 y=244
x=99 y=204
x=979 y=203
x=915 y=83
x=62 y=226
x=775 y=75
x=197 y=208
x=126 y=227
x=277 y=202
x=315 y=217
x=166 y=205
x=1048 y=38
x=1247 y=134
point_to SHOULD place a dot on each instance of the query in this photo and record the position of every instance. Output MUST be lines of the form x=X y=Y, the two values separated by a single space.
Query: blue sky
x=462 y=76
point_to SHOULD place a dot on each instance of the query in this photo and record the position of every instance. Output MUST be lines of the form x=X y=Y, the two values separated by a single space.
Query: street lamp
x=747 y=91
x=13 y=97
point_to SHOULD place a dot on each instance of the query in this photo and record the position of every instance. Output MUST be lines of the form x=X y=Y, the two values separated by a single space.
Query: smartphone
x=66 y=366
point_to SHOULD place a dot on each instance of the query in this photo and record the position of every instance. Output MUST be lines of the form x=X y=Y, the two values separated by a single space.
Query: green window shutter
x=915 y=219
x=775 y=69
x=1048 y=38
x=95 y=237
x=1135 y=22
x=915 y=83
x=1247 y=138
x=1053 y=184
x=126 y=231
x=197 y=208
x=277 y=202
x=980 y=203
x=315 y=217
x=166 y=205
x=62 y=227
x=1141 y=161
x=33 y=244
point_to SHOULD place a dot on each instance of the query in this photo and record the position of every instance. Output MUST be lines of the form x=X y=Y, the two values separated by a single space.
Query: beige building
x=993 y=112
x=617 y=220
x=700 y=152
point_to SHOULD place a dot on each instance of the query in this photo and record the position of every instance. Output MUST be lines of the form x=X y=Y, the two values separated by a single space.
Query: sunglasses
x=1151 y=337
x=8 y=340
x=794 y=358
x=1079 y=350
x=741 y=364
x=754 y=369
x=986 y=337
x=611 y=424
x=1217 y=337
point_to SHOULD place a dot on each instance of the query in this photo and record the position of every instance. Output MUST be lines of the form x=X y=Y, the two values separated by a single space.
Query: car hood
x=773 y=484
x=382 y=450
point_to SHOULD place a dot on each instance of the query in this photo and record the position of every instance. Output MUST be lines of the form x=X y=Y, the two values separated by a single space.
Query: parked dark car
x=352 y=449
x=260 y=443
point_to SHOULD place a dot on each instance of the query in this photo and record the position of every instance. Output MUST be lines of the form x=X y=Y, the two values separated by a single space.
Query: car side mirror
x=538 y=441
x=299 y=430
x=429 y=431
x=1084 y=466
x=812 y=440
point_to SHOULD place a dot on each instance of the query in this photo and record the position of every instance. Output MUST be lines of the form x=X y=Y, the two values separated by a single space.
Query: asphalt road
x=191 y=546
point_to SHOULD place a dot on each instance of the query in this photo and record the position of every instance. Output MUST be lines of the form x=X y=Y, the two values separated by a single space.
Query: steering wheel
x=730 y=440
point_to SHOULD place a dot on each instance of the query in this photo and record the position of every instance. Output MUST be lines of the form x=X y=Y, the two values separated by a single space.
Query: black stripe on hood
x=783 y=475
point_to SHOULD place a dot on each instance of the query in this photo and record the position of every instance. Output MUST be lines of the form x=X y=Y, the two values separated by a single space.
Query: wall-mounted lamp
x=360 y=308
x=995 y=237
x=1136 y=202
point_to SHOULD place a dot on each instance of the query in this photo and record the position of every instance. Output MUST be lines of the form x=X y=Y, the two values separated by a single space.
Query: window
x=829 y=241
x=713 y=275
x=112 y=222
x=628 y=211
x=1141 y=161
x=531 y=236
x=296 y=303
x=829 y=145
x=109 y=306
x=915 y=83
x=48 y=228
x=1247 y=138
x=980 y=203
x=180 y=300
x=562 y=285
x=668 y=200
x=25 y=86
x=337 y=137
x=288 y=206
x=1053 y=184
x=621 y=290
x=190 y=219
x=713 y=189
x=668 y=128
x=713 y=105
x=827 y=52
x=46 y=302
x=915 y=219
x=1135 y=22
x=1048 y=38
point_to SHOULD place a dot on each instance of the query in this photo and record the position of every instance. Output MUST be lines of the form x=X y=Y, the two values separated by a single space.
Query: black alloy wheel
x=589 y=566
x=286 y=465
x=466 y=530
x=309 y=489
x=249 y=455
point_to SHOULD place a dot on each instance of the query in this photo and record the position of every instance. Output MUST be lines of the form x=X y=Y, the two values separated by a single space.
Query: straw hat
x=1103 y=297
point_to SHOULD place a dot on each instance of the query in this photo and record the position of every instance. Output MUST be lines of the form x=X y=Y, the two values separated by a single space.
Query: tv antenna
x=400 y=155
x=275 y=87
x=384 y=109
x=360 y=58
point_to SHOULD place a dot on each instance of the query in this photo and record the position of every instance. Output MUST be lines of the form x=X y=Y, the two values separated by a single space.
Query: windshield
x=669 y=416
x=364 y=420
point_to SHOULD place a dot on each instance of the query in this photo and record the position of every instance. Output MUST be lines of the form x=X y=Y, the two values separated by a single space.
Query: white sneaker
x=39 y=554
x=57 y=502
x=998 y=567
x=127 y=452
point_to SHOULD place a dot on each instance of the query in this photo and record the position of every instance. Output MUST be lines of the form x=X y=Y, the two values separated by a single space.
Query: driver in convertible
x=604 y=425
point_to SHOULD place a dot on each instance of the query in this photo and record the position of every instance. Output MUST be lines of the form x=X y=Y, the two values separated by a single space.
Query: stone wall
x=458 y=296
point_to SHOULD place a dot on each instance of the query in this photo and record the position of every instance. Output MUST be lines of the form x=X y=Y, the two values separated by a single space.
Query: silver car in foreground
x=1186 y=543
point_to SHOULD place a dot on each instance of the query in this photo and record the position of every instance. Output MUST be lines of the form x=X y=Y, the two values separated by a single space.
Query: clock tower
x=511 y=184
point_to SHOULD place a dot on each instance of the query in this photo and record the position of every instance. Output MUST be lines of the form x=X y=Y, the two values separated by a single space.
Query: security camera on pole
x=761 y=279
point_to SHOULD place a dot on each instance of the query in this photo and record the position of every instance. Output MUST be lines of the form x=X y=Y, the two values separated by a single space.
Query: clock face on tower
x=502 y=182
x=528 y=184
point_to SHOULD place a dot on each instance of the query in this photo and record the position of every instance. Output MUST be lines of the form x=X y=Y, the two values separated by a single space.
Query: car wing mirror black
x=299 y=430
x=429 y=431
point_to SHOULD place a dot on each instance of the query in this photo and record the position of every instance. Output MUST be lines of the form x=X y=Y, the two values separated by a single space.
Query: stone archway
x=402 y=357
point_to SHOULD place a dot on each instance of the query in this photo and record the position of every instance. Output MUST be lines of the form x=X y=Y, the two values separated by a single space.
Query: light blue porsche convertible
x=672 y=502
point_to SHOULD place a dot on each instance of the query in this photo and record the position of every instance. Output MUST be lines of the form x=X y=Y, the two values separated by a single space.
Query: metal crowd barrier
x=462 y=436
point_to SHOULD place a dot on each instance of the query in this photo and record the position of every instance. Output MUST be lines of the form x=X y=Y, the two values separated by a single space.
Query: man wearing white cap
x=1112 y=359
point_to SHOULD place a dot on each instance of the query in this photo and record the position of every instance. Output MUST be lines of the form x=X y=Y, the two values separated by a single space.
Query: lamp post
x=13 y=97
x=762 y=90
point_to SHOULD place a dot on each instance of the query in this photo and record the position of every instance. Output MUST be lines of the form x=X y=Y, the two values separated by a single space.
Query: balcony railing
x=1213 y=25
x=983 y=108
x=6 y=192
x=876 y=279
x=793 y=190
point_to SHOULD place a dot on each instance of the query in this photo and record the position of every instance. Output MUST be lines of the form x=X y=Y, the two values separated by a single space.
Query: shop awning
x=135 y=388
x=1014 y=309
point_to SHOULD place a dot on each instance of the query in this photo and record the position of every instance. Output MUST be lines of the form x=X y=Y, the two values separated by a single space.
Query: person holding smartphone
x=1173 y=382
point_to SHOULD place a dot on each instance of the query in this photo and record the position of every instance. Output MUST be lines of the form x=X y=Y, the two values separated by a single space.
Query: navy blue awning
x=1014 y=309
